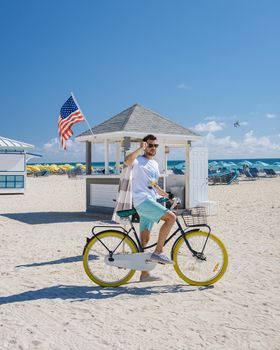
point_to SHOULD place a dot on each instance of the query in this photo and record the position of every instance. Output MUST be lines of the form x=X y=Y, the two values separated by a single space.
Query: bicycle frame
x=180 y=229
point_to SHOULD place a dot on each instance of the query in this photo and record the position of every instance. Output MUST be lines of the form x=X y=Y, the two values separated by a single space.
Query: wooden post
x=106 y=156
x=187 y=176
x=88 y=158
x=166 y=152
x=118 y=157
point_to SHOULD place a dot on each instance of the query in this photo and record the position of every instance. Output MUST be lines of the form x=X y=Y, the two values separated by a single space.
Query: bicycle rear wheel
x=197 y=271
x=94 y=258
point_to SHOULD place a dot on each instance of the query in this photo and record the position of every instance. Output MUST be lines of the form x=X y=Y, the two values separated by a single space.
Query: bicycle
x=111 y=257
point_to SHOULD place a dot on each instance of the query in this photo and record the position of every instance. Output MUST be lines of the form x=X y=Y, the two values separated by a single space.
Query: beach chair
x=270 y=172
x=250 y=176
x=223 y=178
x=233 y=177
x=241 y=171
x=254 y=172
x=178 y=171
x=42 y=173
x=74 y=172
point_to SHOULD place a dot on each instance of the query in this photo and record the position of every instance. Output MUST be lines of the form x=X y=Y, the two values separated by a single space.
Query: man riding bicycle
x=145 y=189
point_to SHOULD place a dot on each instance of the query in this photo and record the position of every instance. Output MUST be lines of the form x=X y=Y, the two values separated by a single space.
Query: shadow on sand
x=68 y=260
x=81 y=293
x=50 y=217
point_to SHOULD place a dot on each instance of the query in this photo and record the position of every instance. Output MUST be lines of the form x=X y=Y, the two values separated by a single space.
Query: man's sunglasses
x=151 y=145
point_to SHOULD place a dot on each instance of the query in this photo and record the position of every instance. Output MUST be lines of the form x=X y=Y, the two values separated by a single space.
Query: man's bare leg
x=165 y=229
x=144 y=239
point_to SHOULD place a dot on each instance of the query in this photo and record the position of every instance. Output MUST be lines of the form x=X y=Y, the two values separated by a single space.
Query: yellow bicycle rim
x=214 y=268
x=94 y=240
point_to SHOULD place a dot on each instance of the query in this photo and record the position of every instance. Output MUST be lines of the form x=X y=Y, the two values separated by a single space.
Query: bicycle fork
x=199 y=255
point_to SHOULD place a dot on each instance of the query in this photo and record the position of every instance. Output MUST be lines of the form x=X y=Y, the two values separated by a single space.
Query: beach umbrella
x=233 y=165
x=223 y=164
x=259 y=162
x=212 y=165
x=54 y=169
x=275 y=166
x=180 y=166
x=261 y=165
x=245 y=162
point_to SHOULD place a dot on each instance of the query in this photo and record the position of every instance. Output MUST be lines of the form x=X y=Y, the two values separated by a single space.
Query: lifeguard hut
x=13 y=158
x=125 y=130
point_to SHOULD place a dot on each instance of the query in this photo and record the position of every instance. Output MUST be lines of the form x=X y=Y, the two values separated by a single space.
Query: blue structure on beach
x=13 y=158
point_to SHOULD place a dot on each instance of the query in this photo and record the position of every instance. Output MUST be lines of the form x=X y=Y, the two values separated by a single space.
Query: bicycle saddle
x=125 y=213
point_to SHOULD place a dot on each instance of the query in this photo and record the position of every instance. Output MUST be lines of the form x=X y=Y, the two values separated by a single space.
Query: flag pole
x=82 y=114
x=88 y=164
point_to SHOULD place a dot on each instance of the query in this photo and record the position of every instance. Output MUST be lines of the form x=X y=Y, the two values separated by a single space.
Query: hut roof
x=138 y=119
x=11 y=145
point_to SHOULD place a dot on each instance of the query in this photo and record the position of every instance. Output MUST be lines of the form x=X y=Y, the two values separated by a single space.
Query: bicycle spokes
x=108 y=244
x=205 y=264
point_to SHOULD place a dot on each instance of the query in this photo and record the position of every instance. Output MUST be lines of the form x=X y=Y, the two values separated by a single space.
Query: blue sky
x=204 y=64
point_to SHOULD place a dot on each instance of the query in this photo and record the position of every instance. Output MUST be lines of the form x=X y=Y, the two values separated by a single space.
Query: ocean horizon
x=170 y=163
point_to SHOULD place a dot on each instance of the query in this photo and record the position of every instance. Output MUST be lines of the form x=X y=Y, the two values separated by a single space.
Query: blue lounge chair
x=75 y=171
x=42 y=173
x=225 y=178
x=270 y=172
x=241 y=171
x=234 y=177
x=254 y=172
x=178 y=171
x=250 y=175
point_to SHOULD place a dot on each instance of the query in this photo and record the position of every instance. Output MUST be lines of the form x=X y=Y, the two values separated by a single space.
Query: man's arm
x=130 y=158
x=161 y=192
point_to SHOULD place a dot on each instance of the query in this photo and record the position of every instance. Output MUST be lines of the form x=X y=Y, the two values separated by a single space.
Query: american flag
x=70 y=114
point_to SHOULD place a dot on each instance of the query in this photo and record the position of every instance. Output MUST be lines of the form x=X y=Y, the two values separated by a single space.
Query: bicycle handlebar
x=175 y=201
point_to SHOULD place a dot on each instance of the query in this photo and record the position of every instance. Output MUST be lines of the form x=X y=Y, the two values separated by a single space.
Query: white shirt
x=144 y=172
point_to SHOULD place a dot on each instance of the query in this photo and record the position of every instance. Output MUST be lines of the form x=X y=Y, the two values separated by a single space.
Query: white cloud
x=224 y=147
x=211 y=126
x=223 y=141
x=249 y=146
x=75 y=152
x=270 y=115
x=51 y=144
x=53 y=152
x=183 y=86
x=262 y=142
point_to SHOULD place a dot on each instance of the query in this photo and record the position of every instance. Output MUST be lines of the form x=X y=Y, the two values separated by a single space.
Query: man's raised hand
x=143 y=145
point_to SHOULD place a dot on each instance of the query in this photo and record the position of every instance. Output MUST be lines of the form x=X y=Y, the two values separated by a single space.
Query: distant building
x=13 y=158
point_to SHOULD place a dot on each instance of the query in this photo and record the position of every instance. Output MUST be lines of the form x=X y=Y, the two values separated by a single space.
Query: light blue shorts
x=149 y=212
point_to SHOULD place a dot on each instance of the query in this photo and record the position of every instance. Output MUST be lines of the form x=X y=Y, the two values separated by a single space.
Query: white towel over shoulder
x=124 y=200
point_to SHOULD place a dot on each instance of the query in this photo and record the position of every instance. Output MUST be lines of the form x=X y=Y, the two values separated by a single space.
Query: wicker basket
x=195 y=216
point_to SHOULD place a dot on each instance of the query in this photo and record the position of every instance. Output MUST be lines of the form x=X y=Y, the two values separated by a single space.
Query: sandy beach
x=48 y=302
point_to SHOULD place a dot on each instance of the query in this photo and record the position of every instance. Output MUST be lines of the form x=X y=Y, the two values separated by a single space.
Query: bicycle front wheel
x=196 y=271
x=94 y=258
